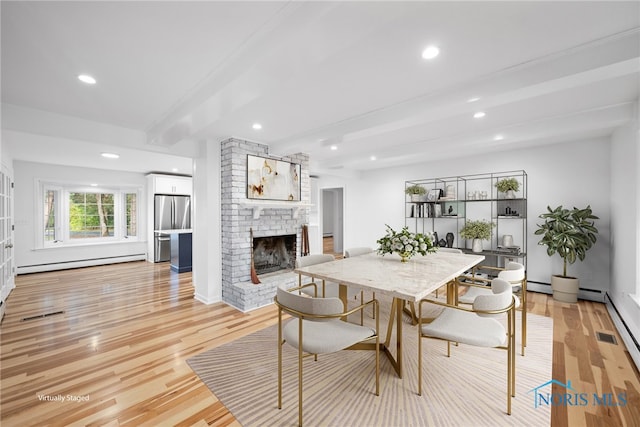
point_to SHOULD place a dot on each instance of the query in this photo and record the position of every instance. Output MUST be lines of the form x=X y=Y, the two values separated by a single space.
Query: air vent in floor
x=40 y=316
x=608 y=338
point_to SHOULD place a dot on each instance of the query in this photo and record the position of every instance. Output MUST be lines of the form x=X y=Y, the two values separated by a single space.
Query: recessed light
x=372 y=158
x=94 y=185
x=85 y=78
x=110 y=155
x=498 y=137
x=479 y=114
x=430 y=52
x=474 y=99
x=174 y=170
x=334 y=147
x=257 y=126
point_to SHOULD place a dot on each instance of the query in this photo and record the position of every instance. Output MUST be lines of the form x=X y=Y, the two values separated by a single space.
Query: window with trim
x=73 y=215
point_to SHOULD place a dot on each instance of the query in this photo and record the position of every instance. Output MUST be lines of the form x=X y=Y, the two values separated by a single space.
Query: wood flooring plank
x=128 y=329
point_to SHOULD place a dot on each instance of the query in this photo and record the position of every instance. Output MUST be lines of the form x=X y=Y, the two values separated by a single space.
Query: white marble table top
x=410 y=281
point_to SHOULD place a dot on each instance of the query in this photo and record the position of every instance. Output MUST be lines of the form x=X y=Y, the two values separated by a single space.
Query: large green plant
x=569 y=232
x=477 y=230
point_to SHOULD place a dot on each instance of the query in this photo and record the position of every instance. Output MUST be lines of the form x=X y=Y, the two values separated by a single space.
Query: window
x=49 y=215
x=73 y=215
x=131 y=200
x=91 y=215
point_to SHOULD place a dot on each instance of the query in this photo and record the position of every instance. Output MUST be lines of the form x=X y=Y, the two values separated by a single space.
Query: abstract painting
x=271 y=179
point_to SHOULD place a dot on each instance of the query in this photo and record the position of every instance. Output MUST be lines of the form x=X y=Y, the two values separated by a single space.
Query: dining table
x=405 y=282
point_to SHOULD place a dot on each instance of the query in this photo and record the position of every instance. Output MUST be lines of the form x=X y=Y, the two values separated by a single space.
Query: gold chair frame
x=510 y=347
x=523 y=291
x=301 y=316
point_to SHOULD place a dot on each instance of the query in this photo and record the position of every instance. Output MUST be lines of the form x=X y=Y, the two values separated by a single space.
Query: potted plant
x=477 y=231
x=508 y=186
x=416 y=192
x=570 y=233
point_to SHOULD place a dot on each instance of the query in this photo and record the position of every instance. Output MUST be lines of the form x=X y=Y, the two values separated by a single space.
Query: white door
x=6 y=236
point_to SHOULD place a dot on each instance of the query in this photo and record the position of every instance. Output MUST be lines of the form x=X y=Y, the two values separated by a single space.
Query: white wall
x=27 y=175
x=572 y=174
x=625 y=231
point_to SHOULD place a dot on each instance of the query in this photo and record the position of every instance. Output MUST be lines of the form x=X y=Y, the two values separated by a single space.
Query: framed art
x=433 y=195
x=272 y=179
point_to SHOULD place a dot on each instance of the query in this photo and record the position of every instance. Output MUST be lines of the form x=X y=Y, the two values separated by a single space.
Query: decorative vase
x=510 y=195
x=507 y=240
x=565 y=289
x=416 y=197
x=477 y=245
x=404 y=257
x=449 y=240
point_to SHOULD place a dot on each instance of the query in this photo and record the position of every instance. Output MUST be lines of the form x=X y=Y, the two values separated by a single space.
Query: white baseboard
x=585 y=294
x=629 y=341
x=77 y=264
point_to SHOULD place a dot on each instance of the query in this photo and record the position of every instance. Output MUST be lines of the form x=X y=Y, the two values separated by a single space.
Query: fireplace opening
x=274 y=253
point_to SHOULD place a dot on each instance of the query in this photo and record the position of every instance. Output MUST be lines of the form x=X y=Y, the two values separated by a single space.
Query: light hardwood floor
x=120 y=348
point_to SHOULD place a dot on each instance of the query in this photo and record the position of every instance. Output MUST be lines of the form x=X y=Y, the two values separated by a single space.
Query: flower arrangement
x=507 y=184
x=477 y=230
x=405 y=243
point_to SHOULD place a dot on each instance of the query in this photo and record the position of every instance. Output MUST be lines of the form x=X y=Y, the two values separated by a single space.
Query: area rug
x=467 y=389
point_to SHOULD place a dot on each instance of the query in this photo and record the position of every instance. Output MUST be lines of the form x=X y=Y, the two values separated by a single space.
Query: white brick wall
x=237 y=220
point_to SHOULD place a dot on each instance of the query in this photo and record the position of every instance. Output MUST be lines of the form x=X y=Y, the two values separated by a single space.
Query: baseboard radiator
x=39 y=268
x=583 y=293
x=625 y=333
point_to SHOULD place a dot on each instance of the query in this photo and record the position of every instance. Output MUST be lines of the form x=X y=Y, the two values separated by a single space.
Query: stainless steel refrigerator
x=170 y=213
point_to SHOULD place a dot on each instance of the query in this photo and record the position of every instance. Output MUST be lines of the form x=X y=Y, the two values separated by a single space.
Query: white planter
x=477 y=245
x=565 y=289
x=510 y=194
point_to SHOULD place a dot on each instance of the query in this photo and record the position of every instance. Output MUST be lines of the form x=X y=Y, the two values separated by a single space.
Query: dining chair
x=476 y=326
x=363 y=250
x=514 y=273
x=327 y=289
x=316 y=328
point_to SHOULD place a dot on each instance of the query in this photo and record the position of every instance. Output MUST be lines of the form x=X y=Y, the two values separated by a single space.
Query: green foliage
x=90 y=217
x=405 y=243
x=507 y=184
x=415 y=189
x=568 y=232
x=477 y=230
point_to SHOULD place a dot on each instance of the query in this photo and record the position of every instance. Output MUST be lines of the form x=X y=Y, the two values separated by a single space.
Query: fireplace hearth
x=274 y=253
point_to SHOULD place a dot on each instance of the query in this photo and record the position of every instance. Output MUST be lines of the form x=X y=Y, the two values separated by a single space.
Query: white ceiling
x=314 y=74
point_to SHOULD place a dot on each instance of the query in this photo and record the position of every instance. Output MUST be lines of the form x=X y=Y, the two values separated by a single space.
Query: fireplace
x=274 y=253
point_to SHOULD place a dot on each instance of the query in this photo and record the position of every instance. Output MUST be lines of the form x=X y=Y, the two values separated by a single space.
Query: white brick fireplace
x=265 y=218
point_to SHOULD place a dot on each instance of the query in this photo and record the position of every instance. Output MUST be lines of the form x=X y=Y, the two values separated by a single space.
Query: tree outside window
x=91 y=215
x=131 y=201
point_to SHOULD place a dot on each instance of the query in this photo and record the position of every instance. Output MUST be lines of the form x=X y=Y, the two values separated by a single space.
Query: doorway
x=7 y=268
x=333 y=221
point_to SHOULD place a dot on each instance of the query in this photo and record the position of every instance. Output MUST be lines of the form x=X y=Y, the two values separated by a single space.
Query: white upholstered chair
x=514 y=273
x=477 y=326
x=325 y=289
x=316 y=328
